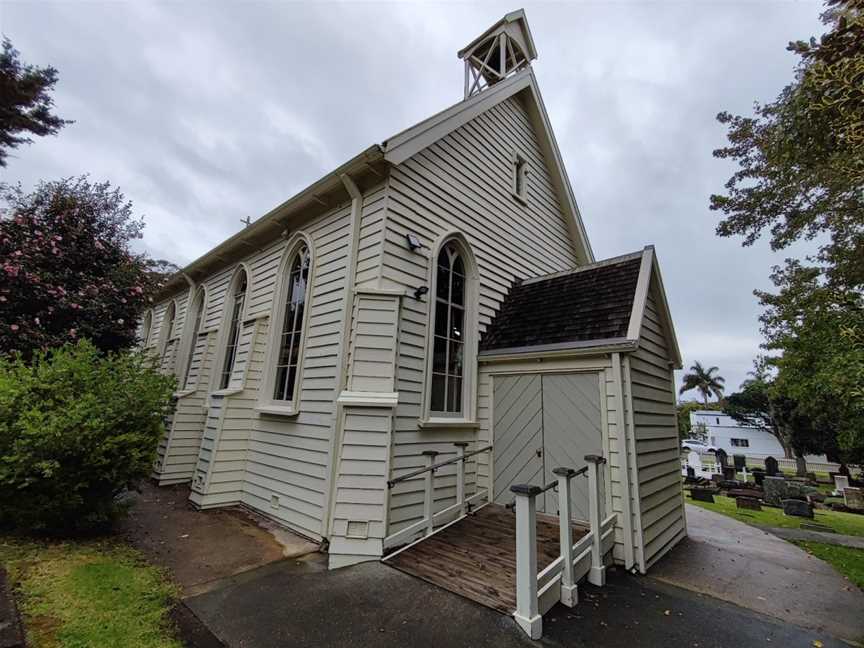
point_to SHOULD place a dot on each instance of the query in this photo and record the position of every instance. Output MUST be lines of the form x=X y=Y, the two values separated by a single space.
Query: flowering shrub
x=77 y=428
x=66 y=268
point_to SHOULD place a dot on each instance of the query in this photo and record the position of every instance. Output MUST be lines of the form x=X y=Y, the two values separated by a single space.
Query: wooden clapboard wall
x=463 y=182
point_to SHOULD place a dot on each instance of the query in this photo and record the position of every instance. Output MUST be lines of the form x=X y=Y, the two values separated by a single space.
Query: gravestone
x=771 y=467
x=854 y=498
x=776 y=490
x=800 y=489
x=758 y=476
x=691 y=473
x=800 y=466
x=715 y=478
x=721 y=457
x=841 y=482
x=694 y=461
x=749 y=503
x=743 y=492
x=797 y=508
x=702 y=495
x=740 y=462
x=728 y=473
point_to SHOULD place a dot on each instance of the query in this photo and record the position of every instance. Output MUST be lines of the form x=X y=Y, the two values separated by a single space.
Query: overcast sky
x=204 y=113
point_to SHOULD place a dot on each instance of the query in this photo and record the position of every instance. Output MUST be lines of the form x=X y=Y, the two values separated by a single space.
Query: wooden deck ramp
x=476 y=556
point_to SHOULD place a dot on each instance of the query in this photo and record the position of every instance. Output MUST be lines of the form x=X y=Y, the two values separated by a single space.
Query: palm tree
x=705 y=381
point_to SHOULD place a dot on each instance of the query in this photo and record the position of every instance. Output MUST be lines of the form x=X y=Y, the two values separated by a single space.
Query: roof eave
x=584 y=347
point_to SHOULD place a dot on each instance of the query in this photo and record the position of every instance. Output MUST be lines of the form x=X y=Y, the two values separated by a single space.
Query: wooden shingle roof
x=589 y=304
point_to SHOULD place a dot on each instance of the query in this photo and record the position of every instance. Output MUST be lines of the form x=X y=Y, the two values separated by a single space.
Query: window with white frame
x=237 y=302
x=168 y=328
x=146 y=327
x=197 y=313
x=520 y=177
x=448 y=347
x=741 y=443
x=291 y=326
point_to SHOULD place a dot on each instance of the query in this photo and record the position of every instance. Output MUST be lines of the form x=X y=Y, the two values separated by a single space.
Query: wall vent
x=357 y=529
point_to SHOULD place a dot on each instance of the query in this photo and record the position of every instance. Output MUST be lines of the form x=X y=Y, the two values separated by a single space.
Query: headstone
x=841 y=482
x=740 y=461
x=854 y=498
x=797 y=508
x=715 y=478
x=758 y=477
x=801 y=466
x=776 y=490
x=743 y=492
x=721 y=457
x=691 y=472
x=749 y=503
x=728 y=473
x=702 y=495
x=771 y=467
x=694 y=461
x=816 y=497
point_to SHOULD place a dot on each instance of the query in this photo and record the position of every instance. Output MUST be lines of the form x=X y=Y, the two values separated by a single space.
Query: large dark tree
x=800 y=176
x=25 y=101
x=67 y=270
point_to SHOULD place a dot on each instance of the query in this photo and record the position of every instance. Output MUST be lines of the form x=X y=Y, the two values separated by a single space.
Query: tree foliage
x=683 y=410
x=707 y=382
x=67 y=270
x=77 y=428
x=25 y=101
x=800 y=176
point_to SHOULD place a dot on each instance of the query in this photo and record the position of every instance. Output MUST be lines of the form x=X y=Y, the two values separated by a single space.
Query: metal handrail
x=435 y=466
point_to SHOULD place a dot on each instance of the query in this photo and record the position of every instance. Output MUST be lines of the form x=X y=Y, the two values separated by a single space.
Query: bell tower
x=502 y=50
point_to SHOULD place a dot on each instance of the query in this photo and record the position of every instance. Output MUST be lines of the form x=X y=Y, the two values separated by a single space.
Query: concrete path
x=300 y=603
x=856 y=542
x=746 y=566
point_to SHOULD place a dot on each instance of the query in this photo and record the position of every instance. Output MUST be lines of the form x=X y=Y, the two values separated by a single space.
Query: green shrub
x=77 y=428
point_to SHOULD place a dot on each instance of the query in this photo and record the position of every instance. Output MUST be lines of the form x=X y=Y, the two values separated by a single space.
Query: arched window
x=448 y=347
x=237 y=302
x=167 y=328
x=145 y=329
x=197 y=313
x=291 y=326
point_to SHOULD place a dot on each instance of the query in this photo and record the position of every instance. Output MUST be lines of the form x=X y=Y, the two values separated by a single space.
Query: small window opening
x=520 y=177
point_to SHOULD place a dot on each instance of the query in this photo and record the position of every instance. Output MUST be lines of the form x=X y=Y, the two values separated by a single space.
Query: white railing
x=431 y=518
x=537 y=593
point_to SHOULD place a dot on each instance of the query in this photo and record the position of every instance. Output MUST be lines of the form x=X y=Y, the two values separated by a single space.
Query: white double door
x=542 y=422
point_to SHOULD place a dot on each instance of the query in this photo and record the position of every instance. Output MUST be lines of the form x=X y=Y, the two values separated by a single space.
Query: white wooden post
x=460 y=475
x=428 y=499
x=527 y=611
x=597 y=573
x=569 y=595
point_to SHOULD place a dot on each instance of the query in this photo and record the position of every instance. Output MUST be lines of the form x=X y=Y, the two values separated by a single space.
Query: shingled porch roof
x=587 y=307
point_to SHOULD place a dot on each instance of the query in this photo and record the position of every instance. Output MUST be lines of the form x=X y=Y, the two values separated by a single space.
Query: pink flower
x=36 y=319
x=14 y=327
x=72 y=332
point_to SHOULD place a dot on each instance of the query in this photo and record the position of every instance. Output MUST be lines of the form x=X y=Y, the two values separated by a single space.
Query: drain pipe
x=347 y=308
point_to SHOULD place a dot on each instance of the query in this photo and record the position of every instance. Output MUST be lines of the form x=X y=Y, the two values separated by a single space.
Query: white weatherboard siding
x=652 y=397
x=463 y=183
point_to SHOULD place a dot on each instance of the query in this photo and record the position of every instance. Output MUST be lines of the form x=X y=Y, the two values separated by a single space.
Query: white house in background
x=435 y=295
x=725 y=433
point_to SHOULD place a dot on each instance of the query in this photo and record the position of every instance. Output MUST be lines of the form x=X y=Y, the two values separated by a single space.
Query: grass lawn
x=846 y=560
x=845 y=523
x=89 y=595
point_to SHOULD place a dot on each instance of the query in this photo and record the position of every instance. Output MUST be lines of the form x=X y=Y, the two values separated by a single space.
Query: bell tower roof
x=503 y=49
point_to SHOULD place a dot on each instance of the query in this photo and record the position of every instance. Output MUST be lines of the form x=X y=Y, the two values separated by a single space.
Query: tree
x=67 y=270
x=683 y=410
x=705 y=381
x=801 y=176
x=25 y=101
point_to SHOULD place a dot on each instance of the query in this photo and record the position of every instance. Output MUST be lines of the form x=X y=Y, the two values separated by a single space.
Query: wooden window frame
x=267 y=403
x=146 y=328
x=165 y=334
x=520 y=174
x=225 y=330
x=468 y=415
x=193 y=324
